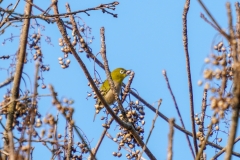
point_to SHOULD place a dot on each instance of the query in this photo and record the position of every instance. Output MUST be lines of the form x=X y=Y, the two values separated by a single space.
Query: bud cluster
x=135 y=115
x=221 y=72
x=218 y=78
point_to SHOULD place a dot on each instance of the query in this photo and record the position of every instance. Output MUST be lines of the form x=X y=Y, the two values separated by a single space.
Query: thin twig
x=109 y=77
x=223 y=150
x=185 y=45
x=6 y=82
x=203 y=108
x=204 y=143
x=70 y=141
x=32 y=112
x=214 y=21
x=83 y=43
x=46 y=17
x=178 y=111
x=6 y=18
x=124 y=147
x=152 y=127
x=206 y=20
x=170 y=140
x=24 y=98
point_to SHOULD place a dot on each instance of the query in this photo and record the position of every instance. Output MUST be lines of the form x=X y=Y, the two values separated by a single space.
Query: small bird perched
x=118 y=76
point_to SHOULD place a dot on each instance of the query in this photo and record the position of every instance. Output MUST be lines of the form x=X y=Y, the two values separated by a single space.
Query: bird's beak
x=128 y=72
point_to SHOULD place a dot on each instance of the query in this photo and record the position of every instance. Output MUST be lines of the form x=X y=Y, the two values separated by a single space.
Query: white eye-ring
x=121 y=71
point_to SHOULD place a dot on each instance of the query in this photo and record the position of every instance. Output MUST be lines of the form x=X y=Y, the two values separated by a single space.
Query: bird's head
x=119 y=74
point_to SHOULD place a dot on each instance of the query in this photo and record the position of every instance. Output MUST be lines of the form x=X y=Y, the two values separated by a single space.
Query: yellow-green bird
x=118 y=76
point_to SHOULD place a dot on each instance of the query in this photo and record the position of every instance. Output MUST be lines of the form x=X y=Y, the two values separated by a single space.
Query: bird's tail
x=94 y=116
x=96 y=112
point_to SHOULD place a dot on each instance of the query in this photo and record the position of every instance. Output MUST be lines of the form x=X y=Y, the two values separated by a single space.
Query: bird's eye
x=121 y=71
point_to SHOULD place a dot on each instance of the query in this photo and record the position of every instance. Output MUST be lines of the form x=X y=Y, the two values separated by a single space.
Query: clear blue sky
x=147 y=38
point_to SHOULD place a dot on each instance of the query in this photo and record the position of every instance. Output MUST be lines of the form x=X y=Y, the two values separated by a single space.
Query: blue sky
x=147 y=38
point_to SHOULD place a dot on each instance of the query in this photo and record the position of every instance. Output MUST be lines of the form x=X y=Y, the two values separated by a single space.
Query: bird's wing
x=105 y=88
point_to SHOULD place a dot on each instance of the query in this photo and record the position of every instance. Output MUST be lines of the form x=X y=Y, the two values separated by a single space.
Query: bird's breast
x=109 y=97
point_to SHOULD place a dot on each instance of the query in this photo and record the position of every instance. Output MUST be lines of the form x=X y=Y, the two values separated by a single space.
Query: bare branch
x=70 y=141
x=32 y=110
x=84 y=45
x=6 y=82
x=236 y=89
x=185 y=45
x=178 y=111
x=204 y=143
x=203 y=107
x=48 y=16
x=150 y=132
x=9 y=14
x=17 y=80
x=214 y=21
x=223 y=150
x=109 y=77
x=170 y=140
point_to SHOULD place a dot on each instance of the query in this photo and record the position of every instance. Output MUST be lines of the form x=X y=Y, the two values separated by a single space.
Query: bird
x=118 y=76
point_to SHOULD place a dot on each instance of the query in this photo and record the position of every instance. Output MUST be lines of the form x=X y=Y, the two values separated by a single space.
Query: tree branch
x=178 y=111
x=185 y=45
x=170 y=140
x=236 y=88
x=223 y=150
x=6 y=82
x=16 y=81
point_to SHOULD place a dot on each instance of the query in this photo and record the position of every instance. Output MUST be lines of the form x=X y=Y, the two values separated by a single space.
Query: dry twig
x=170 y=140
x=178 y=111
x=214 y=21
x=150 y=132
x=185 y=45
x=223 y=150
x=32 y=111
x=6 y=82
x=204 y=143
